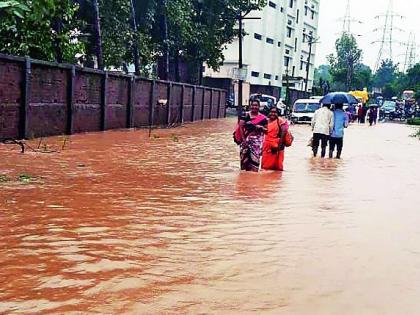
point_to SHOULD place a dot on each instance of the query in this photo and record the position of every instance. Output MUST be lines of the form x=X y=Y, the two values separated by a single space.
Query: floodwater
x=119 y=223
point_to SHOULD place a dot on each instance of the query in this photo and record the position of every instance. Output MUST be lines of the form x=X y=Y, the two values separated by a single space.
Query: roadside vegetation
x=119 y=33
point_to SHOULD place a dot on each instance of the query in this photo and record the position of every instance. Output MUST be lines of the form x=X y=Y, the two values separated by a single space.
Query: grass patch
x=414 y=121
x=25 y=178
x=4 y=178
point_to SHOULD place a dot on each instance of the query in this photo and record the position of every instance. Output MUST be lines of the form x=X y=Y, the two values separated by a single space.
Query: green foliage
x=27 y=28
x=346 y=60
x=198 y=30
x=414 y=121
x=386 y=74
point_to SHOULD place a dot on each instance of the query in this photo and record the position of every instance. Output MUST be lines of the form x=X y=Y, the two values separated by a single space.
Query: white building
x=275 y=45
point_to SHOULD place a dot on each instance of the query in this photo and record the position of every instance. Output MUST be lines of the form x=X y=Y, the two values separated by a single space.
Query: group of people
x=363 y=111
x=328 y=128
x=261 y=139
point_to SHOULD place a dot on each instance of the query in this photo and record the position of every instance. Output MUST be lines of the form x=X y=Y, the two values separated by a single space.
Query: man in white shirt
x=322 y=125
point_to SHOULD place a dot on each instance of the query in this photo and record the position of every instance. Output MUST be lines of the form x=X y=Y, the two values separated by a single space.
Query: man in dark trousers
x=322 y=125
x=341 y=121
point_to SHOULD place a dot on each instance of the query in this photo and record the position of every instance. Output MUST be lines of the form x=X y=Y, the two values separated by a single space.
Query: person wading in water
x=252 y=127
x=322 y=125
x=273 y=147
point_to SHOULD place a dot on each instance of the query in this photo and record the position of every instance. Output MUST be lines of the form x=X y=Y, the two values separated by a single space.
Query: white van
x=304 y=110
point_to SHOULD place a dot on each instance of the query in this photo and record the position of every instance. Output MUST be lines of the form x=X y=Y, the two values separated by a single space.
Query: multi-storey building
x=276 y=47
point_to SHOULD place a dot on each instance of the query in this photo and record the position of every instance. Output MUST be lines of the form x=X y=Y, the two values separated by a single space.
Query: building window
x=267 y=76
x=303 y=38
x=302 y=64
x=306 y=11
x=269 y=40
x=293 y=71
x=291 y=4
x=312 y=14
x=276 y=77
x=281 y=9
x=257 y=36
x=272 y=4
x=287 y=51
x=255 y=74
x=289 y=32
x=297 y=17
x=279 y=44
x=286 y=61
x=295 y=44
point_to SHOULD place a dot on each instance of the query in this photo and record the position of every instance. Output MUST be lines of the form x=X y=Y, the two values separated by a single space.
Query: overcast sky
x=365 y=10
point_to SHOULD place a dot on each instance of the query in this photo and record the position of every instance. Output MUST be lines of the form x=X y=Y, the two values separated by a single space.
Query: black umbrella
x=339 y=98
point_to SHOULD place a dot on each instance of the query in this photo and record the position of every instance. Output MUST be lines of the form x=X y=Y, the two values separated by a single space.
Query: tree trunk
x=98 y=36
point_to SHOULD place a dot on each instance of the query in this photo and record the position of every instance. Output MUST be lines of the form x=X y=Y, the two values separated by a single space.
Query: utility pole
x=308 y=64
x=387 y=38
x=348 y=20
x=164 y=28
x=287 y=100
x=135 y=44
x=242 y=17
x=98 y=36
x=410 y=55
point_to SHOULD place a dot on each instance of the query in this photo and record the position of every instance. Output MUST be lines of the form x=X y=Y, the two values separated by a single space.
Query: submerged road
x=118 y=223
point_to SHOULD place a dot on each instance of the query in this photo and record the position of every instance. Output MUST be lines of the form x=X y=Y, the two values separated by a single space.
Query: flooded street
x=118 y=223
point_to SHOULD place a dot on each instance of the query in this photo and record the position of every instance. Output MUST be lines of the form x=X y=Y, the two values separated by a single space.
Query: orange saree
x=272 y=158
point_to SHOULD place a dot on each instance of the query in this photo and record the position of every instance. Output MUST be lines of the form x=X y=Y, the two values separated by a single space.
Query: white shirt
x=323 y=121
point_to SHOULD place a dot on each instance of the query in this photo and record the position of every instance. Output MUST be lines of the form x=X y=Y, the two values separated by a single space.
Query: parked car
x=387 y=110
x=266 y=102
x=304 y=110
x=281 y=108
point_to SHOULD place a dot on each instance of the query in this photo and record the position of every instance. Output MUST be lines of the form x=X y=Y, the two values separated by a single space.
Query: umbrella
x=339 y=98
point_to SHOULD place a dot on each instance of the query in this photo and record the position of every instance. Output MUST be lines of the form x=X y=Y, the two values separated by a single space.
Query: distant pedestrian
x=322 y=125
x=273 y=147
x=373 y=115
x=360 y=114
x=252 y=127
x=341 y=121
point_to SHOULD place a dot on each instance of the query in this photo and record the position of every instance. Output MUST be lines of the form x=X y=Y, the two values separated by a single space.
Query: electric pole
x=241 y=17
x=308 y=64
x=410 y=55
x=98 y=36
x=135 y=44
x=348 y=20
x=387 y=40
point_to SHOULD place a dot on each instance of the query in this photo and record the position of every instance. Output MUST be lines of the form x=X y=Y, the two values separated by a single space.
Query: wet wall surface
x=120 y=223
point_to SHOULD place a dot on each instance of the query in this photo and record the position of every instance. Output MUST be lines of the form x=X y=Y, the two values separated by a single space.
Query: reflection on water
x=120 y=223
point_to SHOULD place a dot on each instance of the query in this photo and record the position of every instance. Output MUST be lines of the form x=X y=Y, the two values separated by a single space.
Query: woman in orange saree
x=273 y=147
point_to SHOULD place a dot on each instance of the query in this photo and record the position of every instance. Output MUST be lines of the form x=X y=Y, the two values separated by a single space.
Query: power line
x=410 y=55
x=387 y=39
x=348 y=20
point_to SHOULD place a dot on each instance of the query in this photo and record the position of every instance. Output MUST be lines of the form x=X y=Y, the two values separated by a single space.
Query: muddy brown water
x=118 y=223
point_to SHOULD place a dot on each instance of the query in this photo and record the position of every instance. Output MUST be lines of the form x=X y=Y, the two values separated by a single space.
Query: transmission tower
x=410 y=55
x=348 y=20
x=387 y=39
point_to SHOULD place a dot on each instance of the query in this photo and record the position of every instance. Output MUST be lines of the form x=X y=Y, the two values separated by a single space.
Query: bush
x=414 y=121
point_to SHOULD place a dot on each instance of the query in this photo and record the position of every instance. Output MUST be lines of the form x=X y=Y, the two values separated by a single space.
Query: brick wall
x=43 y=99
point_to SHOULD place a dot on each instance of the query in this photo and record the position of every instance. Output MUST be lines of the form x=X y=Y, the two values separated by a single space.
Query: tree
x=362 y=77
x=386 y=74
x=347 y=58
x=43 y=29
